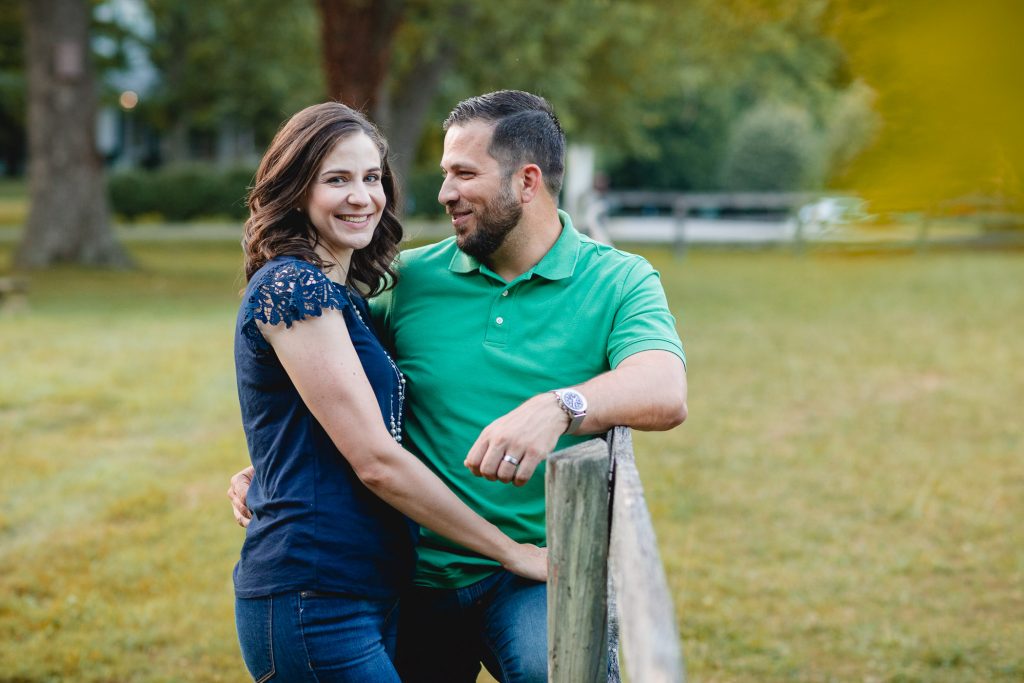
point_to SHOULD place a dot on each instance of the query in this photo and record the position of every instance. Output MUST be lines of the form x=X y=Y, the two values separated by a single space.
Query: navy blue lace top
x=314 y=525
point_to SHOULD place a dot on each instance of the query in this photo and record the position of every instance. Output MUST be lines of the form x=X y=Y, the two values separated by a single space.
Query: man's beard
x=494 y=222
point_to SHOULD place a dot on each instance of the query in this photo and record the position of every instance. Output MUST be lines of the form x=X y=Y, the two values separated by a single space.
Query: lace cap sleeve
x=290 y=291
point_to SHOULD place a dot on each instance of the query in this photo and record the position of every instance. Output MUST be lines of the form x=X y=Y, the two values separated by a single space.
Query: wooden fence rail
x=602 y=551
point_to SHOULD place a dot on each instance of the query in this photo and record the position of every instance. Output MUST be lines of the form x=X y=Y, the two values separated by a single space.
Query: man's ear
x=532 y=182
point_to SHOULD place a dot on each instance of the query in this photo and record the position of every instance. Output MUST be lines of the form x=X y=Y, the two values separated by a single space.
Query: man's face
x=481 y=202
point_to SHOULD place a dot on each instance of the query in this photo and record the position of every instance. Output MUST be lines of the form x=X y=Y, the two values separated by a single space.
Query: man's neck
x=526 y=245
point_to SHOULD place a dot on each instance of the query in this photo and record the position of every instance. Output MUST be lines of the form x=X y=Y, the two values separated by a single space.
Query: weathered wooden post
x=577 y=529
x=584 y=553
x=650 y=640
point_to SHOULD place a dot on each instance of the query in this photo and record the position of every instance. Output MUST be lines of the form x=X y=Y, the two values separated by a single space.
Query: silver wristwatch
x=575 y=406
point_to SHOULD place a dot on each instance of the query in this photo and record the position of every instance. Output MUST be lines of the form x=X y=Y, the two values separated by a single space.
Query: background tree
x=421 y=56
x=12 y=87
x=772 y=148
x=357 y=39
x=230 y=71
x=738 y=56
x=68 y=219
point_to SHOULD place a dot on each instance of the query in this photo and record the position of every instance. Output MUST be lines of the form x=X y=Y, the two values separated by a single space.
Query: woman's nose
x=359 y=196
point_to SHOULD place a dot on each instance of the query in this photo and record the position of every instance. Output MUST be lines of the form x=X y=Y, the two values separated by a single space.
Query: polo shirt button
x=499 y=320
x=505 y=293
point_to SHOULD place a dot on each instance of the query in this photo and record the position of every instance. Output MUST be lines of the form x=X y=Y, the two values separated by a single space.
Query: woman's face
x=346 y=200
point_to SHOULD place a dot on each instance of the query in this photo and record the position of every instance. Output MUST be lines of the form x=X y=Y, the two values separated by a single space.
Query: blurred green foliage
x=738 y=57
x=181 y=192
x=247 y=63
x=772 y=148
x=913 y=103
x=420 y=192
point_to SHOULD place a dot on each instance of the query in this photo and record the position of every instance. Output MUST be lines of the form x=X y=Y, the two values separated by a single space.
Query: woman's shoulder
x=285 y=269
x=287 y=289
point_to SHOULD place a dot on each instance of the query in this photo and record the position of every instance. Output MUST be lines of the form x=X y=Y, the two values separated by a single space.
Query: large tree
x=68 y=218
x=599 y=63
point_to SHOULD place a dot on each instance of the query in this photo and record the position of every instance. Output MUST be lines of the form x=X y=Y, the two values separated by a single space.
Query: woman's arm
x=318 y=355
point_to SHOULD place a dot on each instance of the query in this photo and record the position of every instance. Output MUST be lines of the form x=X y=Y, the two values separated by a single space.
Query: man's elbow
x=674 y=402
x=678 y=417
x=672 y=415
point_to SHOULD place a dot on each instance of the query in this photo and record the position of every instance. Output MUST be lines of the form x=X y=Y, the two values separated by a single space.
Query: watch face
x=574 y=401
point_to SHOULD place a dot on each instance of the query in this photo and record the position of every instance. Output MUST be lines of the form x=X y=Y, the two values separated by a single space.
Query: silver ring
x=509 y=458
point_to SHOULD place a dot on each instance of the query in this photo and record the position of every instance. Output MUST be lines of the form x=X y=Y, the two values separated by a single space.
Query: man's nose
x=447 y=194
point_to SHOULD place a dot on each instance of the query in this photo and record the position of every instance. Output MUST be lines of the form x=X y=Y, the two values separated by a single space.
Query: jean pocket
x=254 y=619
x=345 y=632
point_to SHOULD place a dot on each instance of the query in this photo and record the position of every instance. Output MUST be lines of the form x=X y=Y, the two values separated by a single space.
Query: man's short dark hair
x=526 y=131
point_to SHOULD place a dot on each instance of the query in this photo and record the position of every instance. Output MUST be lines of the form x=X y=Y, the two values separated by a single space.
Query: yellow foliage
x=946 y=75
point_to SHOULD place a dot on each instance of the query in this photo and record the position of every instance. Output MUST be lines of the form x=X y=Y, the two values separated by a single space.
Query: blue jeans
x=444 y=634
x=318 y=637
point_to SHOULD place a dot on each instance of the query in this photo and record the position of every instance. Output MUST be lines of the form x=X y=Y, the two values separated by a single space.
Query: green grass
x=13 y=202
x=843 y=504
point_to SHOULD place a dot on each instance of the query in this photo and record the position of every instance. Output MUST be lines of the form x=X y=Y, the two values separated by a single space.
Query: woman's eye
x=372 y=178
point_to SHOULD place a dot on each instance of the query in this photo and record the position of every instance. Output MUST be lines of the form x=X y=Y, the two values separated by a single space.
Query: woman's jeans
x=318 y=637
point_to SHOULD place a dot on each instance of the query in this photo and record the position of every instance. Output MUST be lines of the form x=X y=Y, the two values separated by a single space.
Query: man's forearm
x=647 y=391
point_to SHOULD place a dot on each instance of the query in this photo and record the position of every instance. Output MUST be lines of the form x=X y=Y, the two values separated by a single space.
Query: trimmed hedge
x=196 y=191
x=181 y=193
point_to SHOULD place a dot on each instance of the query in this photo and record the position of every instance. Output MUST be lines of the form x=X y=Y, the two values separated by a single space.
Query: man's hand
x=526 y=435
x=237 y=492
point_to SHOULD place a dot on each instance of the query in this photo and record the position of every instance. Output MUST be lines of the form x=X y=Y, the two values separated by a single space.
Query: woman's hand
x=237 y=492
x=528 y=561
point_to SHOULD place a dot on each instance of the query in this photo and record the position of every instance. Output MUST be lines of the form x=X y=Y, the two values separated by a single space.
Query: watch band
x=575 y=406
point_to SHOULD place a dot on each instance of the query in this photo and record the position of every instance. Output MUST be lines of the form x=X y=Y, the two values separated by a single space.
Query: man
x=513 y=333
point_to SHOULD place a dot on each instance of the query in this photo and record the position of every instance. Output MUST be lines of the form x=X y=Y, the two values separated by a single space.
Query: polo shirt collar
x=558 y=263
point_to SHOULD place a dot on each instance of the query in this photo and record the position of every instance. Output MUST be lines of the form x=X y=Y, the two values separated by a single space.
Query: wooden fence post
x=577 y=530
x=647 y=624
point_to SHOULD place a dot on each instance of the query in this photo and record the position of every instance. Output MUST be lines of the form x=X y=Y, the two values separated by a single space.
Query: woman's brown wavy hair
x=276 y=227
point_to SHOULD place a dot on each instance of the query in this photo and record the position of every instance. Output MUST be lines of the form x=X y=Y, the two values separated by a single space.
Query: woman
x=328 y=547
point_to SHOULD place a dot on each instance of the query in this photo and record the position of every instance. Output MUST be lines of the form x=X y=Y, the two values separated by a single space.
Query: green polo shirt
x=474 y=346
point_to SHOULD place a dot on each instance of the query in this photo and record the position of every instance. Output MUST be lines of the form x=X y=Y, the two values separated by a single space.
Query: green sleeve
x=380 y=312
x=643 y=321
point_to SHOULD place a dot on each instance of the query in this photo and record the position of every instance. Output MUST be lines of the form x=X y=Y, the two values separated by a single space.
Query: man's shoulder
x=600 y=258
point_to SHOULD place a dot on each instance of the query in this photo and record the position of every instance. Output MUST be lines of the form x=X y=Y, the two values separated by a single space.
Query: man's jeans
x=444 y=634
x=317 y=637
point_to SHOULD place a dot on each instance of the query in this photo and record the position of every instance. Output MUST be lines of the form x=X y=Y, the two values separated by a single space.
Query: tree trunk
x=357 y=38
x=68 y=218
x=410 y=105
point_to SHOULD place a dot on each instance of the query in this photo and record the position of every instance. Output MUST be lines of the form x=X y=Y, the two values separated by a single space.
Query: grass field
x=843 y=504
